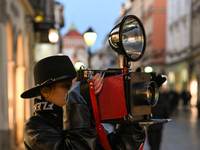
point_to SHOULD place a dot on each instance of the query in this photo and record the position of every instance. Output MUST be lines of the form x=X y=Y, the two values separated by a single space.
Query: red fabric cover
x=112 y=104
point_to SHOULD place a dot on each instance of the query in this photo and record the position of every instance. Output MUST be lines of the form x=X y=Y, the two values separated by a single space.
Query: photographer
x=62 y=119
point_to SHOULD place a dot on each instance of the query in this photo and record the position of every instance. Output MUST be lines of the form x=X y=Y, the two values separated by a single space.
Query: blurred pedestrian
x=154 y=132
x=173 y=99
x=198 y=108
x=186 y=96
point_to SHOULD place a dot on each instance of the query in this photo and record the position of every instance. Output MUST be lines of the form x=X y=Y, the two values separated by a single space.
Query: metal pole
x=60 y=43
x=89 y=57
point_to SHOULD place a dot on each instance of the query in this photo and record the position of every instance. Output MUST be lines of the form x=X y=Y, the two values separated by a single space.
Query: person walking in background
x=186 y=96
x=154 y=132
x=173 y=99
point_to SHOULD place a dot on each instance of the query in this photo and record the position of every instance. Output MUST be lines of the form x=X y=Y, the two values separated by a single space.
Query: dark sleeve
x=77 y=121
x=40 y=135
x=76 y=134
x=127 y=137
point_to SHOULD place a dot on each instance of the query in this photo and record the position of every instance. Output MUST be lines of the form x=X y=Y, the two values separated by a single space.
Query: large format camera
x=126 y=97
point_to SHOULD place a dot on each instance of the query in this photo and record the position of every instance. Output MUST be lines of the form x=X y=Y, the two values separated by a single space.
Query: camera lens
x=147 y=92
x=152 y=93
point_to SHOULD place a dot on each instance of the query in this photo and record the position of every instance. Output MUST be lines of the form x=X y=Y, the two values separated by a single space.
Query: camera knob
x=151 y=115
x=128 y=117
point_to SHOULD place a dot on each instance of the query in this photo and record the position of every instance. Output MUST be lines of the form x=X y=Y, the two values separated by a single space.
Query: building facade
x=195 y=59
x=16 y=57
x=155 y=24
x=182 y=47
x=18 y=40
x=73 y=45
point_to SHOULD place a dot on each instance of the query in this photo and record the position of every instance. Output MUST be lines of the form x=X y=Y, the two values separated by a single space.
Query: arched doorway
x=15 y=82
x=11 y=74
x=20 y=78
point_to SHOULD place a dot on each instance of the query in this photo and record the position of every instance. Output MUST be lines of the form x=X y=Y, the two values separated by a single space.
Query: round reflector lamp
x=128 y=38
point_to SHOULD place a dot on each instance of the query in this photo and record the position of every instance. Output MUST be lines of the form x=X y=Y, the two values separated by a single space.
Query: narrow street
x=183 y=132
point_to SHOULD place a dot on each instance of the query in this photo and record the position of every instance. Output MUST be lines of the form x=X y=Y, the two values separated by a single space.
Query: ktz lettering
x=38 y=106
x=44 y=106
x=48 y=107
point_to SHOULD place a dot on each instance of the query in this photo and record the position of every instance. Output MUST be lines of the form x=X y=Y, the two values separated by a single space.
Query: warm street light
x=90 y=38
x=148 y=69
x=39 y=17
x=53 y=35
x=78 y=64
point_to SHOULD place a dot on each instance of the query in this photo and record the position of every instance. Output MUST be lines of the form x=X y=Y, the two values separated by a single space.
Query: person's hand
x=98 y=82
x=128 y=136
x=74 y=80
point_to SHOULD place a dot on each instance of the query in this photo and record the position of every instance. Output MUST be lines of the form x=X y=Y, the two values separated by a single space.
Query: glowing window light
x=171 y=77
x=193 y=91
x=184 y=75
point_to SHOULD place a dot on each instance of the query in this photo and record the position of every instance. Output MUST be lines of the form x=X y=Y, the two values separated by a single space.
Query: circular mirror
x=133 y=37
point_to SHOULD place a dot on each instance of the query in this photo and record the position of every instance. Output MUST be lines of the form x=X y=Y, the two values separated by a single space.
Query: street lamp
x=148 y=69
x=53 y=35
x=90 y=38
x=78 y=64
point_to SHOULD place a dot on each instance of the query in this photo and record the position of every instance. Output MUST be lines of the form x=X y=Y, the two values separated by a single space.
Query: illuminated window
x=184 y=75
x=171 y=77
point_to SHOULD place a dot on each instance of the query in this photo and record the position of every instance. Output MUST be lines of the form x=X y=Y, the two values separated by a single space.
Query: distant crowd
x=174 y=98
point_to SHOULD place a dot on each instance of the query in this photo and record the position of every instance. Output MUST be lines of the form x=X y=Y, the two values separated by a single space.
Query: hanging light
x=53 y=35
x=39 y=17
x=90 y=37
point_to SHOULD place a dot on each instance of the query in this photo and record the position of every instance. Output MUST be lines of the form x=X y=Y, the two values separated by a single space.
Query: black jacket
x=72 y=128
